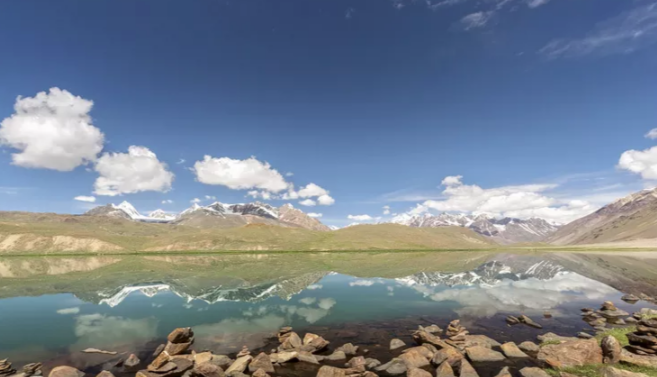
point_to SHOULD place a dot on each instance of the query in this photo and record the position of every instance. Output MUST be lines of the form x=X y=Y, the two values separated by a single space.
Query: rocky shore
x=449 y=352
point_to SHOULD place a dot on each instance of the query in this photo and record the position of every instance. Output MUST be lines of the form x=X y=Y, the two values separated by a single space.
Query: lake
x=51 y=308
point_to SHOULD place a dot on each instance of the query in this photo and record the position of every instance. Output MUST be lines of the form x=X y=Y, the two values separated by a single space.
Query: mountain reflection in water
x=131 y=303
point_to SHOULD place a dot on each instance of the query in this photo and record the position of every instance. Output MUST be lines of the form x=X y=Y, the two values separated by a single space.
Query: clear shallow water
x=52 y=308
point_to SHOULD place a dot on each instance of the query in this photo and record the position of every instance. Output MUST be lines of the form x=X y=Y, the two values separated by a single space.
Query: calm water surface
x=52 y=308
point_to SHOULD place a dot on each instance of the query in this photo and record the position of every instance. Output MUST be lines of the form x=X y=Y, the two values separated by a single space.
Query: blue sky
x=375 y=102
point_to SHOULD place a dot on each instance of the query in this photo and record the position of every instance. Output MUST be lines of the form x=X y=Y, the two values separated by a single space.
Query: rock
x=533 y=372
x=449 y=354
x=396 y=343
x=611 y=350
x=207 y=369
x=240 y=364
x=511 y=350
x=630 y=298
x=313 y=343
x=511 y=320
x=357 y=362
x=583 y=335
x=65 y=371
x=482 y=354
x=132 y=361
x=454 y=329
x=96 y=350
x=640 y=360
x=422 y=350
x=610 y=311
x=31 y=369
x=177 y=348
x=434 y=329
x=529 y=322
x=371 y=363
x=415 y=358
x=336 y=356
x=549 y=337
x=307 y=357
x=234 y=373
x=167 y=367
x=159 y=361
x=423 y=336
x=182 y=365
x=530 y=348
x=395 y=366
x=369 y=374
x=262 y=361
x=631 y=320
x=547 y=314
x=222 y=361
x=260 y=373
x=647 y=312
x=243 y=352
x=504 y=373
x=417 y=372
x=284 y=357
x=291 y=342
x=202 y=357
x=613 y=372
x=327 y=371
x=466 y=370
x=571 y=353
x=445 y=370
x=348 y=349
x=181 y=335
x=105 y=373
x=642 y=340
x=159 y=350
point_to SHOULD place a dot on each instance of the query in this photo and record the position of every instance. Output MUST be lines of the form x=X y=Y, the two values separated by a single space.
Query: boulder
x=357 y=362
x=529 y=322
x=613 y=372
x=630 y=298
x=396 y=343
x=434 y=329
x=314 y=343
x=105 y=373
x=445 y=370
x=307 y=357
x=65 y=371
x=243 y=352
x=336 y=356
x=283 y=357
x=611 y=350
x=222 y=361
x=240 y=364
x=182 y=365
x=415 y=358
x=530 y=348
x=423 y=336
x=479 y=354
x=234 y=373
x=327 y=371
x=533 y=372
x=639 y=360
x=31 y=369
x=417 y=372
x=571 y=353
x=132 y=361
x=262 y=361
x=207 y=369
x=348 y=349
x=166 y=367
x=511 y=320
x=202 y=357
x=511 y=350
x=504 y=373
x=394 y=367
x=181 y=335
x=466 y=370
x=371 y=363
x=260 y=373
x=550 y=337
x=424 y=351
x=177 y=348
x=449 y=354
x=292 y=342
x=159 y=350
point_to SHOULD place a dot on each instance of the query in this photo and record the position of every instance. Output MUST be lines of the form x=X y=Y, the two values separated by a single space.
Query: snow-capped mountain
x=160 y=214
x=505 y=231
x=127 y=211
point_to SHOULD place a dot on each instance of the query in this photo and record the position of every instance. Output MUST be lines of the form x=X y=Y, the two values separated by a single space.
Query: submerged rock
x=132 y=361
x=511 y=320
x=529 y=322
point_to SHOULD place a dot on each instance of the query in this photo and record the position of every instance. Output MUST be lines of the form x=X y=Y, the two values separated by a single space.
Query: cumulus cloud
x=312 y=190
x=239 y=174
x=476 y=20
x=386 y=210
x=315 y=215
x=640 y=162
x=325 y=200
x=89 y=199
x=128 y=173
x=167 y=201
x=308 y=203
x=195 y=200
x=628 y=32
x=522 y=201
x=52 y=131
x=359 y=217
x=264 y=195
x=210 y=197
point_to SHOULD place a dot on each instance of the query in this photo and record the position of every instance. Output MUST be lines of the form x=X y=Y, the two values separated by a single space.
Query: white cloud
x=82 y=198
x=626 y=33
x=289 y=174
x=652 y=134
x=359 y=217
x=386 y=210
x=195 y=200
x=210 y=197
x=181 y=161
x=312 y=190
x=315 y=215
x=264 y=195
x=308 y=203
x=128 y=173
x=640 y=162
x=452 y=180
x=325 y=200
x=536 y=3
x=52 y=131
x=476 y=20
x=69 y=311
x=239 y=174
x=167 y=201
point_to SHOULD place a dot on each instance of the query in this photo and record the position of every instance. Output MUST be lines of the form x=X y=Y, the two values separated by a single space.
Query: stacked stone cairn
x=6 y=369
x=643 y=341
